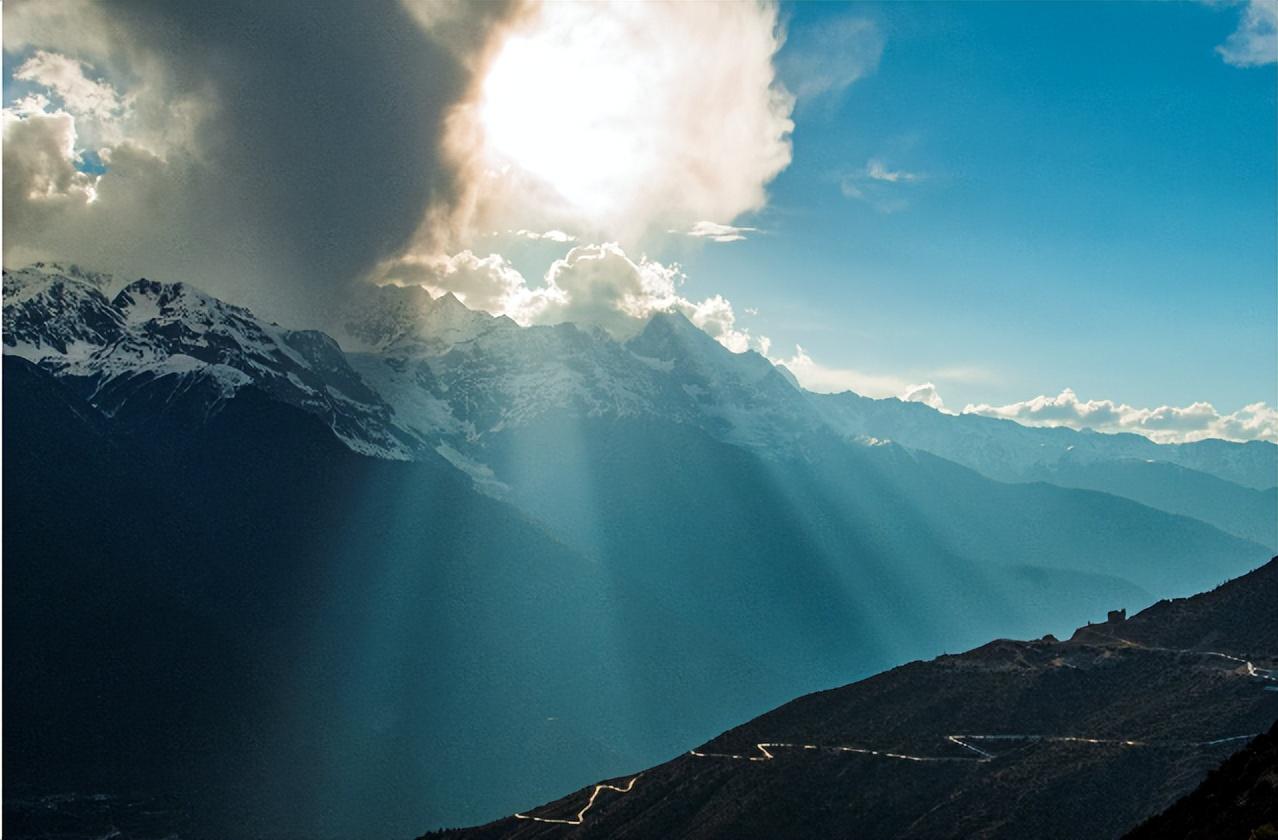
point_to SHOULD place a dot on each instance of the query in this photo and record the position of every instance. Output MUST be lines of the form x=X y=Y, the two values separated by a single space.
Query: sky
x=1059 y=213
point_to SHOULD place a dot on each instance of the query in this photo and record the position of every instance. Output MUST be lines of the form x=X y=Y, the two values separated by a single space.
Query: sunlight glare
x=557 y=104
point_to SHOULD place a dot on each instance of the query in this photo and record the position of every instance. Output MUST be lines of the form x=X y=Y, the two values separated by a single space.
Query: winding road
x=1252 y=670
x=979 y=755
x=581 y=815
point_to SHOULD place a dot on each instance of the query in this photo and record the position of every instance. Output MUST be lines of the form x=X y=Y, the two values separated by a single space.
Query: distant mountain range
x=1044 y=739
x=471 y=564
x=423 y=373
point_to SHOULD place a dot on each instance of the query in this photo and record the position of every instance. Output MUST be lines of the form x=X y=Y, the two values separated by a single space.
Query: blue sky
x=1095 y=208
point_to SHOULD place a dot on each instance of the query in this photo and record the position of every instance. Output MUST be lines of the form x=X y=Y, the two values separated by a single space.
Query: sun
x=559 y=105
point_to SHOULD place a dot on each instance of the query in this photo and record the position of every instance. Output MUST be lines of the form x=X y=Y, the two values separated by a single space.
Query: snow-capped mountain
x=425 y=374
x=56 y=316
x=454 y=375
x=406 y=320
x=152 y=340
x=1008 y=451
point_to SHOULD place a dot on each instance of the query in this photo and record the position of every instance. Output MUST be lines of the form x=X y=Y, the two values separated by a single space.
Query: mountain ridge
x=416 y=367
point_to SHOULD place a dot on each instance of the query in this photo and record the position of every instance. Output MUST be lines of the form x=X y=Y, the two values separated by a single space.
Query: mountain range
x=440 y=565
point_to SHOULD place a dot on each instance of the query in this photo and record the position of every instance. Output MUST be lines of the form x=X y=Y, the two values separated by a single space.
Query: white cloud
x=925 y=393
x=824 y=59
x=877 y=170
x=600 y=285
x=66 y=77
x=831 y=380
x=879 y=185
x=1255 y=42
x=593 y=285
x=716 y=232
x=1165 y=424
x=80 y=27
x=617 y=120
x=549 y=235
x=44 y=138
x=715 y=315
x=39 y=160
x=489 y=283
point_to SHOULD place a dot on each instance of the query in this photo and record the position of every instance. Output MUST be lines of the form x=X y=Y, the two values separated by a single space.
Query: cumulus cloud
x=274 y=164
x=1255 y=42
x=600 y=285
x=593 y=285
x=1165 y=424
x=716 y=232
x=39 y=161
x=549 y=235
x=824 y=59
x=617 y=120
x=67 y=79
x=716 y=316
x=926 y=394
x=824 y=379
x=489 y=283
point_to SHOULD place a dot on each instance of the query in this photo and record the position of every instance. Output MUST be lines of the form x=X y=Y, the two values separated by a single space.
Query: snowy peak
x=669 y=337
x=171 y=318
x=384 y=317
x=406 y=320
x=52 y=314
x=457 y=376
x=41 y=272
x=156 y=340
x=148 y=301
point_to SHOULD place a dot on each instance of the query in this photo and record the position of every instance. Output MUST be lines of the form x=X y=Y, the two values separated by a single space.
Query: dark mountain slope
x=1234 y=616
x=1237 y=801
x=286 y=637
x=1026 y=777
x=232 y=602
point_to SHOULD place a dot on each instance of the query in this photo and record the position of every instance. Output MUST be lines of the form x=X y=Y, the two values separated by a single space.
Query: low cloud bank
x=1164 y=424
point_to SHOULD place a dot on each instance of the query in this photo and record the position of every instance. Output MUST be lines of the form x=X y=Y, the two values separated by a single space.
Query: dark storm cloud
x=318 y=155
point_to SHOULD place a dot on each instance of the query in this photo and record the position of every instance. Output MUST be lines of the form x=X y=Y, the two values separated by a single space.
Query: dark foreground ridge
x=1047 y=739
x=1238 y=800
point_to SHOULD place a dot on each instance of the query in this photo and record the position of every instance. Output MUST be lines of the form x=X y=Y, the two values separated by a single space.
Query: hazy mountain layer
x=451 y=376
x=1009 y=451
